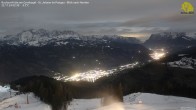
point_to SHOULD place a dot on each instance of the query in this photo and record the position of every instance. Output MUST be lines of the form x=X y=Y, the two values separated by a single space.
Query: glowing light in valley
x=90 y=76
x=137 y=35
x=158 y=54
x=93 y=75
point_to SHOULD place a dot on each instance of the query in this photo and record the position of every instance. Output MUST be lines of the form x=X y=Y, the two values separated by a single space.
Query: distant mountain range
x=172 y=41
x=43 y=52
x=41 y=37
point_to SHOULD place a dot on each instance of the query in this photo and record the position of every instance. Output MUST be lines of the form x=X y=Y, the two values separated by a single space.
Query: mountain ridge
x=41 y=37
x=172 y=41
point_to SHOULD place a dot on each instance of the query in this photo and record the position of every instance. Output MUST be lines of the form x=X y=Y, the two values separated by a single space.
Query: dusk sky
x=130 y=18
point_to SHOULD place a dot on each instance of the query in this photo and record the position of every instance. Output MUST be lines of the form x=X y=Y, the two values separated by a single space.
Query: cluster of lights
x=93 y=75
x=128 y=66
x=58 y=76
x=89 y=76
x=158 y=54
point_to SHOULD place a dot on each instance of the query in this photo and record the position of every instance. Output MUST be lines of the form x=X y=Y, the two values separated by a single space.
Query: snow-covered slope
x=20 y=101
x=188 y=63
x=5 y=92
x=135 y=101
x=138 y=101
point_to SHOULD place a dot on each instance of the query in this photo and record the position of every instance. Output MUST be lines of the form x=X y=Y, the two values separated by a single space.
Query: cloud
x=167 y=18
x=101 y=17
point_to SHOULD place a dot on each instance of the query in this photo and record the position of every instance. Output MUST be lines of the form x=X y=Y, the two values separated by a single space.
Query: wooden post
x=10 y=93
x=27 y=99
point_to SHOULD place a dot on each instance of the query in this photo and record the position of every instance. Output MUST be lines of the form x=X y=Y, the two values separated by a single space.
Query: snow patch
x=4 y=88
x=188 y=63
x=20 y=102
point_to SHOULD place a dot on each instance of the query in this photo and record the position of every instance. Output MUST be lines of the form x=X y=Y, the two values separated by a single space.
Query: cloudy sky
x=130 y=18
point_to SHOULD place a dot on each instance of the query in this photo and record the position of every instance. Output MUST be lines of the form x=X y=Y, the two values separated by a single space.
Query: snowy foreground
x=14 y=102
x=138 y=101
x=135 y=101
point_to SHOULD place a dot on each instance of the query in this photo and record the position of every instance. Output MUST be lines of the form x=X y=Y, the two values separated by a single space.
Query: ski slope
x=21 y=100
x=135 y=101
x=138 y=101
x=147 y=101
x=9 y=103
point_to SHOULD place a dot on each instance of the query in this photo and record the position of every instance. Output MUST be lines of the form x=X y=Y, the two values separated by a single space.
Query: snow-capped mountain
x=41 y=37
x=38 y=37
x=172 y=41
